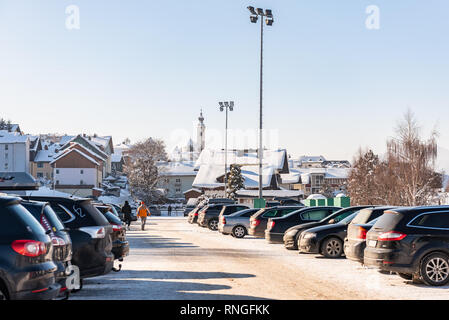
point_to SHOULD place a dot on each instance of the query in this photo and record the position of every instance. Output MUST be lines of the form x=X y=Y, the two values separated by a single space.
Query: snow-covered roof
x=305 y=173
x=100 y=153
x=116 y=157
x=68 y=151
x=12 y=137
x=312 y=159
x=316 y=196
x=192 y=189
x=270 y=193
x=208 y=174
x=175 y=168
x=45 y=191
x=47 y=155
x=273 y=158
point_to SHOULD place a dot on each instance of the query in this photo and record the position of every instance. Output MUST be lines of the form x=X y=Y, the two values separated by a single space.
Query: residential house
x=14 y=152
x=176 y=177
x=77 y=170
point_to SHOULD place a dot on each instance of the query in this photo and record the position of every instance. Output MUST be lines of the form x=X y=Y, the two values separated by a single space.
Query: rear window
x=363 y=216
x=112 y=218
x=16 y=221
x=79 y=214
x=343 y=215
x=348 y=219
x=270 y=213
x=388 y=221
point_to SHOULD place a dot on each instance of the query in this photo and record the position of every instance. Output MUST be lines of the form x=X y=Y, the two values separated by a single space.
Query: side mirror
x=331 y=221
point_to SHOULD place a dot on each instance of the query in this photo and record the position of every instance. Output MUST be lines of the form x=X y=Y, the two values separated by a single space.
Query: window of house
x=6 y=147
x=57 y=181
x=40 y=175
x=6 y=155
x=178 y=180
x=40 y=165
x=178 y=190
x=57 y=171
x=82 y=171
x=81 y=182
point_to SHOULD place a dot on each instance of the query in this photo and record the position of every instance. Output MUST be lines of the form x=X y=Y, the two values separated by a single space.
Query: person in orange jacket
x=143 y=212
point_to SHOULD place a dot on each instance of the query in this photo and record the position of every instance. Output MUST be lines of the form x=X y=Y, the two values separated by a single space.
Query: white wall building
x=14 y=152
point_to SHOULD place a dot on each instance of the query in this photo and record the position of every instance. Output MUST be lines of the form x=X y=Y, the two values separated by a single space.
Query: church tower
x=201 y=133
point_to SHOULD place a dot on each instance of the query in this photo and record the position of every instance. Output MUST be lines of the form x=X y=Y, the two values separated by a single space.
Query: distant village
x=93 y=166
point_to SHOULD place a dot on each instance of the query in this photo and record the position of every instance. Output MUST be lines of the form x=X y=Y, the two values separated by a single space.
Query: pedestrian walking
x=126 y=209
x=169 y=210
x=143 y=212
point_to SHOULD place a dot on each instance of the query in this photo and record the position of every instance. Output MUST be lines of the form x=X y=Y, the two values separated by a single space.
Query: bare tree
x=407 y=176
x=411 y=160
x=142 y=170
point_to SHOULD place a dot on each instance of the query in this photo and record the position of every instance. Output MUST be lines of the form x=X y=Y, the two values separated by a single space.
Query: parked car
x=154 y=210
x=258 y=221
x=90 y=232
x=236 y=223
x=291 y=235
x=270 y=204
x=62 y=244
x=209 y=216
x=413 y=242
x=27 y=270
x=188 y=209
x=120 y=245
x=328 y=240
x=117 y=210
x=193 y=215
x=274 y=233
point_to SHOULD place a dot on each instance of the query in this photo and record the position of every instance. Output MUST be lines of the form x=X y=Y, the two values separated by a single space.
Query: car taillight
x=361 y=234
x=29 y=248
x=255 y=222
x=196 y=214
x=94 y=232
x=391 y=236
x=116 y=227
x=57 y=241
x=271 y=225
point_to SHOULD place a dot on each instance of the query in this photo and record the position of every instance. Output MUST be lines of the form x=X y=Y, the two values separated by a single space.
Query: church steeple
x=201 y=133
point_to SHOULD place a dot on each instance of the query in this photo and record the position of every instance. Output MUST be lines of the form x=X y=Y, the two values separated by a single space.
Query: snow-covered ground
x=172 y=259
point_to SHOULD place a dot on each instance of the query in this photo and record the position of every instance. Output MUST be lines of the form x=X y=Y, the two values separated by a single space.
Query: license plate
x=372 y=243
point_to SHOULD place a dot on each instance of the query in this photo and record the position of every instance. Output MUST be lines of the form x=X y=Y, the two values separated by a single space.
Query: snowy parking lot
x=172 y=259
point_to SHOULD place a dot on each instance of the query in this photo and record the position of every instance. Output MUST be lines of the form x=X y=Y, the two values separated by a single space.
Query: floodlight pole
x=260 y=110
x=226 y=157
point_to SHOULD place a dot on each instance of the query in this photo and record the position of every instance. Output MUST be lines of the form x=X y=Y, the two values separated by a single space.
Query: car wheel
x=332 y=248
x=239 y=232
x=434 y=269
x=405 y=276
x=213 y=224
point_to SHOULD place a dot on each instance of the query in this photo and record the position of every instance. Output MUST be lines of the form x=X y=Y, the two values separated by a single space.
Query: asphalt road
x=172 y=259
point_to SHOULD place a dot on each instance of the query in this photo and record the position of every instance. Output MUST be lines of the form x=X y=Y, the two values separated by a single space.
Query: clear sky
x=145 y=68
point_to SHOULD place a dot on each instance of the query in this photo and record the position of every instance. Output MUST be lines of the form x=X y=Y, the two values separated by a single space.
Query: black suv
x=26 y=267
x=89 y=230
x=274 y=233
x=120 y=246
x=62 y=244
x=209 y=216
x=258 y=221
x=413 y=242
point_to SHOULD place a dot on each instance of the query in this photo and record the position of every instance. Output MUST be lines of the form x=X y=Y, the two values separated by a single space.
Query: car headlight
x=309 y=235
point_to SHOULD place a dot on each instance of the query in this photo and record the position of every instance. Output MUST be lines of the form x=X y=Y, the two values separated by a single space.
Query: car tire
x=213 y=224
x=405 y=276
x=239 y=232
x=332 y=248
x=434 y=269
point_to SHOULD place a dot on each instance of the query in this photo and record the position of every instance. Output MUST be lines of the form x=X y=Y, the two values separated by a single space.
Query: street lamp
x=226 y=105
x=268 y=14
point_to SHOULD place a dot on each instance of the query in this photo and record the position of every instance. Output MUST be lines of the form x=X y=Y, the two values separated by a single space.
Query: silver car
x=237 y=223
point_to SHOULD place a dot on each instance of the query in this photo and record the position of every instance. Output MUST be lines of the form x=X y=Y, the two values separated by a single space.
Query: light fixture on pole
x=268 y=14
x=226 y=105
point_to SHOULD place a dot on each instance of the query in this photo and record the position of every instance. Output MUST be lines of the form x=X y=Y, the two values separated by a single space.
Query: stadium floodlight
x=260 y=12
x=251 y=9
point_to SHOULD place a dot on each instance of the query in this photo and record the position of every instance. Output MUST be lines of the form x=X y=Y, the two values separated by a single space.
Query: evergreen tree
x=235 y=181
